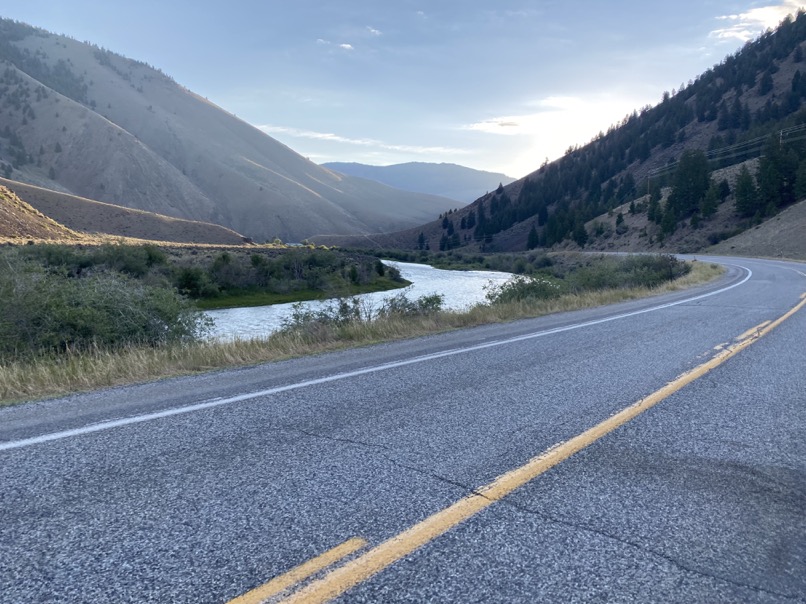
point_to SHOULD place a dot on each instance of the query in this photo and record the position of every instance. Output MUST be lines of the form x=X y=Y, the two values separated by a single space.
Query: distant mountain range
x=446 y=180
x=79 y=119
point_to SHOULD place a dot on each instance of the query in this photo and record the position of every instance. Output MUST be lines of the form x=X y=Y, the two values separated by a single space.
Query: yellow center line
x=300 y=573
x=753 y=330
x=340 y=579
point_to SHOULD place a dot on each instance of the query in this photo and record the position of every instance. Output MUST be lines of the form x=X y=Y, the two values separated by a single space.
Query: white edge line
x=137 y=419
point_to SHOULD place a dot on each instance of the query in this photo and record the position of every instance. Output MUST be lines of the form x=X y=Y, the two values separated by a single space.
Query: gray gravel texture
x=701 y=499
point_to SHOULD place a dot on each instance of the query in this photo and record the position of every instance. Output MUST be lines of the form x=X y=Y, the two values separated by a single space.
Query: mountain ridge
x=449 y=180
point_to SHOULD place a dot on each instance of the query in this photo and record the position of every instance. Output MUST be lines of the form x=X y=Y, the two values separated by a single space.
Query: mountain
x=82 y=120
x=667 y=178
x=446 y=180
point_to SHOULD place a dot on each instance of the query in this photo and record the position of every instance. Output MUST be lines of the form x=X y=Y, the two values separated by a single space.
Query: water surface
x=460 y=290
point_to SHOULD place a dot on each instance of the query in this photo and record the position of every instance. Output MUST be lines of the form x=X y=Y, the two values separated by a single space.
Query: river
x=460 y=290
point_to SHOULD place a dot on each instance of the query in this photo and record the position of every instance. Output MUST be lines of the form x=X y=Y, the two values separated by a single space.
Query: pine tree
x=747 y=198
x=532 y=240
x=580 y=235
x=691 y=181
x=709 y=203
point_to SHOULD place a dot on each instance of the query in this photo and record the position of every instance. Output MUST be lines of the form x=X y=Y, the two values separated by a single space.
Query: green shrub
x=524 y=288
x=343 y=311
x=400 y=305
x=615 y=272
x=195 y=282
x=51 y=312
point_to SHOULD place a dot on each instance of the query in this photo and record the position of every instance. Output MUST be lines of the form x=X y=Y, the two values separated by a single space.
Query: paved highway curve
x=493 y=464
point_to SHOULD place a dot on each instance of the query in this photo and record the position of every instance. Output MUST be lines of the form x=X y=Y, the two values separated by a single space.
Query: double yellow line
x=363 y=566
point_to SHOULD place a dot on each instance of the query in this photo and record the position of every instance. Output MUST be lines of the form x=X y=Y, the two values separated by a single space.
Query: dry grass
x=78 y=218
x=87 y=371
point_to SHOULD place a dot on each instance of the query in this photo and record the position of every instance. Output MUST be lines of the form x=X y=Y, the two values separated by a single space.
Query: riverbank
x=246 y=299
x=45 y=377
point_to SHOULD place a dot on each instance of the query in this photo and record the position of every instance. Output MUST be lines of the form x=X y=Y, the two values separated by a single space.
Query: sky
x=492 y=85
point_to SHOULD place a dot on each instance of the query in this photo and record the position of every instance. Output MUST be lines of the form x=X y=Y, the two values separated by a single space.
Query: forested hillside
x=658 y=163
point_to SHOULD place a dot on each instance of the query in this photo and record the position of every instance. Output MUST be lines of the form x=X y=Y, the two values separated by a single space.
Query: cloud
x=344 y=46
x=361 y=142
x=374 y=32
x=532 y=123
x=747 y=25
x=548 y=125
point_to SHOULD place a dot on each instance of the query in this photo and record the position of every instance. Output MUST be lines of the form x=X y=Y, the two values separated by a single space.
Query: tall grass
x=90 y=369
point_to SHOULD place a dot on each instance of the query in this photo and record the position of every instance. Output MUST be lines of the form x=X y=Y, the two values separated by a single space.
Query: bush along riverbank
x=222 y=277
x=164 y=340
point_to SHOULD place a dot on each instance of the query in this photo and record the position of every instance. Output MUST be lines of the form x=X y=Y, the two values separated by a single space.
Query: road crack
x=386 y=455
x=676 y=562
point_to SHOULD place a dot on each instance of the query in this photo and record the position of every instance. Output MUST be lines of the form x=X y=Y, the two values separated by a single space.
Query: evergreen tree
x=580 y=235
x=668 y=223
x=691 y=181
x=532 y=240
x=709 y=203
x=724 y=189
x=654 y=212
x=766 y=84
x=542 y=215
x=747 y=198
x=777 y=172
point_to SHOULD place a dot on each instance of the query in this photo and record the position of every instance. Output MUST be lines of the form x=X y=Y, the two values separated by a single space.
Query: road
x=495 y=464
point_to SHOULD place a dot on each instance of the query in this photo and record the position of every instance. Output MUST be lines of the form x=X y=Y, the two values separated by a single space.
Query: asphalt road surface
x=460 y=467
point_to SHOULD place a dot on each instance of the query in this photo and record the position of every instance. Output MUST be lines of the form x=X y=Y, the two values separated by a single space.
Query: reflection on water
x=460 y=289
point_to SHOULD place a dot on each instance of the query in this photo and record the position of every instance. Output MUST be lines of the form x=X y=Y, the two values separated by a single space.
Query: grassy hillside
x=96 y=218
x=783 y=236
x=20 y=222
x=82 y=120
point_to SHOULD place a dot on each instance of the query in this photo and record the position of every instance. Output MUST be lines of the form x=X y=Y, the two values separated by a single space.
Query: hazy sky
x=495 y=85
